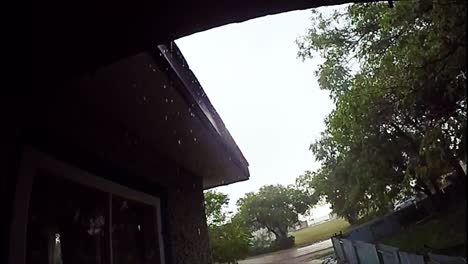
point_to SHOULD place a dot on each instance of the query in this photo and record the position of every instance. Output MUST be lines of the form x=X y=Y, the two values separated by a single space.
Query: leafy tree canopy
x=230 y=239
x=274 y=207
x=398 y=79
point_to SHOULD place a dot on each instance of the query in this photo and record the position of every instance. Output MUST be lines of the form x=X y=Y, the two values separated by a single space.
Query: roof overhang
x=69 y=37
x=154 y=100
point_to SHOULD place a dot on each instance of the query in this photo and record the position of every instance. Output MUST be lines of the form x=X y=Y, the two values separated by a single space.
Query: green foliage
x=230 y=239
x=230 y=242
x=444 y=231
x=261 y=242
x=274 y=207
x=215 y=204
x=398 y=78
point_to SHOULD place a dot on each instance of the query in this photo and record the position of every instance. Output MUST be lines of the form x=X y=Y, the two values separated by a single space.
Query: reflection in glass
x=67 y=223
x=134 y=239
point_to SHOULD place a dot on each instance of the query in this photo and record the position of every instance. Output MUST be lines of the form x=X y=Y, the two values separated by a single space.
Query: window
x=75 y=217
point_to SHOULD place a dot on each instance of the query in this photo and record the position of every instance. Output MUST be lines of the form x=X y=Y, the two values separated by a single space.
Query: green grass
x=444 y=231
x=319 y=232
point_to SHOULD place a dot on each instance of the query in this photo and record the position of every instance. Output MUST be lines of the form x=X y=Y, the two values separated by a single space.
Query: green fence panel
x=440 y=259
x=407 y=258
x=388 y=254
x=350 y=252
x=366 y=253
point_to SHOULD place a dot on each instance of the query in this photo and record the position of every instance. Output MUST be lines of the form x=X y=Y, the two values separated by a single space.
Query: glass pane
x=134 y=232
x=67 y=223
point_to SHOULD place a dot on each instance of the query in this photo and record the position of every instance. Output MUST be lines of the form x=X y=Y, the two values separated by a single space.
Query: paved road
x=303 y=255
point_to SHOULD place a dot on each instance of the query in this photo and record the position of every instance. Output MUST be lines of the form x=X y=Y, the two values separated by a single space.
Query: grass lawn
x=319 y=232
x=444 y=231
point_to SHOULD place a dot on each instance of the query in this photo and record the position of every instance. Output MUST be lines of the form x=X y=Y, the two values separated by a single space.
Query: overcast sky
x=268 y=99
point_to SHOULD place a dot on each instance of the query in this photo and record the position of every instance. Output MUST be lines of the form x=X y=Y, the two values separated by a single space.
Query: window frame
x=34 y=161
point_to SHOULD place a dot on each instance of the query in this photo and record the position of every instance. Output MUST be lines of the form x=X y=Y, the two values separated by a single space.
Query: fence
x=358 y=252
x=393 y=223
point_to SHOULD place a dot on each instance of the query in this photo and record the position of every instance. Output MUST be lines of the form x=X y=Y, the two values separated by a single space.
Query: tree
x=230 y=239
x=215 y=207
x=274 y=207
x=398 y=79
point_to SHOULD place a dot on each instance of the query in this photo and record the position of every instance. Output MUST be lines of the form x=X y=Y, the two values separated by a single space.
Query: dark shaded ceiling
x=70 y=37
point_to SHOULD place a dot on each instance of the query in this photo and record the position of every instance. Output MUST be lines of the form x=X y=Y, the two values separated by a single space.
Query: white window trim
x=34 y=161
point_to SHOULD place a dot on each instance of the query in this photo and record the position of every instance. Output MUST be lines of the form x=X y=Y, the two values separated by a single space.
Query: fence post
x=338 y=249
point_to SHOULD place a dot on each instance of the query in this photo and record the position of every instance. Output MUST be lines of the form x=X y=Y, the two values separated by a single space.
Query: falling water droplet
x=195 y=139
x=190 y=131
x=172 y=101
x=167 y=100
x=179 y=141
x=164 y=86
x=165 y=117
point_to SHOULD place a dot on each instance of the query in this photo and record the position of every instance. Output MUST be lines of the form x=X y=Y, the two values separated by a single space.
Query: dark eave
x=194 y=94
x=72 y=37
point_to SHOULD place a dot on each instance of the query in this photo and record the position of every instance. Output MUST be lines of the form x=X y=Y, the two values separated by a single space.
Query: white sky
x=268 y=99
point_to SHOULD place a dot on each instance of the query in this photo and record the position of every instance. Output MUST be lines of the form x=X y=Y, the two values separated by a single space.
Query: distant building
x=298 y=226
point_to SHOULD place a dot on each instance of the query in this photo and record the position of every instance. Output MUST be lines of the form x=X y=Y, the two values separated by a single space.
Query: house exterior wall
x=184 y=226
x=66 y=129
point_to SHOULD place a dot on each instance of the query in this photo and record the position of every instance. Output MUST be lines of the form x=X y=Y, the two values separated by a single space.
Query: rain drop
x=165 y=117
x=179 y=141
x=167 y=100
x=195 y=139
x=172 y=101
x=164 y=86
